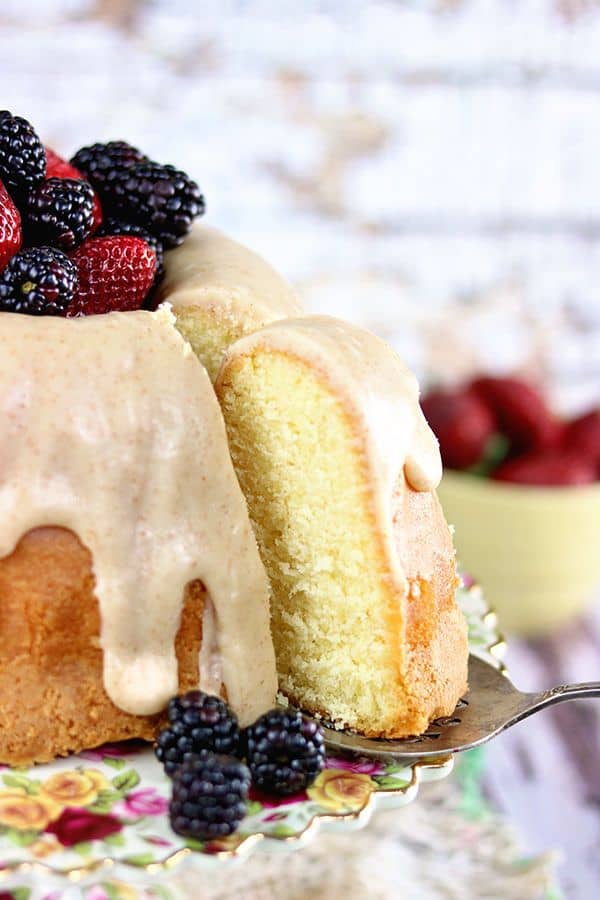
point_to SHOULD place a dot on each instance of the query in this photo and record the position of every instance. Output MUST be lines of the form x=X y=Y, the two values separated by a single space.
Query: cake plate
x=107 y=808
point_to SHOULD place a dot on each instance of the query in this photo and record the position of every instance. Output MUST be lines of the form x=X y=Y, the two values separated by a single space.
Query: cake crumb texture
x=355 y=641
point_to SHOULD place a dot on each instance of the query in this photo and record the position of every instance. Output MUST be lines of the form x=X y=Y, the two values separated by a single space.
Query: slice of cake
x=128 y=567
x=339 y=468
x=220 y=291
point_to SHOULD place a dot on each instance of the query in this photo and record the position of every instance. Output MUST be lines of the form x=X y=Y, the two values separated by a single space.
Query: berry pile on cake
x=85 y=236
x=160 y=534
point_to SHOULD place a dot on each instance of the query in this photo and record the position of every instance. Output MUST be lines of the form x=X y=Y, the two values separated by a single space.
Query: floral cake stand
x=84 y=815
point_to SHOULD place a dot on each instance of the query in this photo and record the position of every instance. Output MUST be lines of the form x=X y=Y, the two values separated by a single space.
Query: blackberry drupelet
x=115 y=227
x=285 y=751
x=198 y=721
x=161 y=198
x=209 y=796
x=39 y=281
x=100 y=163
x=22 y=156
x=60 y=212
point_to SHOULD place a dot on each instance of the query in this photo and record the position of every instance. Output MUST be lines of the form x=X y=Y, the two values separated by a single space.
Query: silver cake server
x=492 y=705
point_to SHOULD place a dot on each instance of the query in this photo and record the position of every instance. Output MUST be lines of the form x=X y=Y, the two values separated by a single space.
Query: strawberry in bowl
x=522 y=488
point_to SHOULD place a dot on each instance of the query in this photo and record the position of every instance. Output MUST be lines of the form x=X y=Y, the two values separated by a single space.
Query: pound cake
x=339 y=468
x=128 y=566
x=220 y=290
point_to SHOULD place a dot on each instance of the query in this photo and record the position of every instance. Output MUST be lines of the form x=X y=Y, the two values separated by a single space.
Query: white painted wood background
x=429 y=169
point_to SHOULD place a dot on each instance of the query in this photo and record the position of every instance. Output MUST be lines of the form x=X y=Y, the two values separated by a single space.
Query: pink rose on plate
x=157 y=841
x=97 y=892
x=113 y=751
x=74 y=826
x=360 y=764
x=144 y=802
x=275 y=817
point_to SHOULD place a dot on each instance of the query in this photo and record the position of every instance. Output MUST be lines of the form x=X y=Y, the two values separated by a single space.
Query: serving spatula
x=492 y=705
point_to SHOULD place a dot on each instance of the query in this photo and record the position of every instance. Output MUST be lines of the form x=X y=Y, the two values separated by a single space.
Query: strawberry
x=114 y=273
x=462 y=423
x=56 y=167
x=11 y=234
x=548 y=467
x=520 y=411
x=583 y=435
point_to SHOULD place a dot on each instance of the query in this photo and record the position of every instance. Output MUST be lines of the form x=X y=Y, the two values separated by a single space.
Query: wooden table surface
x=545 y=773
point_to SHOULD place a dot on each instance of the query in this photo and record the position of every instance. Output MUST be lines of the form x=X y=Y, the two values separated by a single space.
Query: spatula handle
x=566 y=692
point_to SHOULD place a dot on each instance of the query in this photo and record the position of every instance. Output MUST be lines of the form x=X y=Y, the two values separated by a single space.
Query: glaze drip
x=109 y=427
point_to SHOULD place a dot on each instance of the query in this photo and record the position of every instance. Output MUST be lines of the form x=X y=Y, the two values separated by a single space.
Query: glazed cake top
x=212 y=270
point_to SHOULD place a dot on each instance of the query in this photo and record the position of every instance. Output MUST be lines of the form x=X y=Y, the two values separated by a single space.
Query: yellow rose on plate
x=72 y=788
x=340 y=790
x=20 y=810
x=45 y=846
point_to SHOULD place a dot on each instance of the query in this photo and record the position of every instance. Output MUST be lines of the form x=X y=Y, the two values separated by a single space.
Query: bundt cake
x=128 y=566
x=220 y=290
x=339 y=468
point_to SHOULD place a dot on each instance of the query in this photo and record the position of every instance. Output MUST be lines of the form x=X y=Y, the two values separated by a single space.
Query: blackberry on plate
x=161 y=198
x=198 y=721
x=285 y=751
x=22 y=156
x=100 y=163
x=209 y=796
x=112 y=227
x=60 y=212
x=39 y=281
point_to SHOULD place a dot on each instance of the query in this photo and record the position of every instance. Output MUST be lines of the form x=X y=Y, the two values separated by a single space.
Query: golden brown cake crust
x=436 y=631
x=52 y=699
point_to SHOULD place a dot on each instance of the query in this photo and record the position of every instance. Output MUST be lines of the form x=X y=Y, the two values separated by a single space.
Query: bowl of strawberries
x=522 y=488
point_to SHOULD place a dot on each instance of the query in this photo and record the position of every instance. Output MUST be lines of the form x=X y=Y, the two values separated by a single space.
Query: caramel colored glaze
x=52 y=700
x=109 y=428
x=212 y=271
x=382 y=392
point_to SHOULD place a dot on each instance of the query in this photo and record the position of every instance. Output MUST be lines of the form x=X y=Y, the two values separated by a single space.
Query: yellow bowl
x=535 y=550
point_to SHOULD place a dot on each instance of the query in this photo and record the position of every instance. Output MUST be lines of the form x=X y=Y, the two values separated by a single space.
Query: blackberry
x=101 y=162
x=60 y=212
x=112 y=227
x=209 y=796
x=22 y=156
x=285 y=751
x=39 y=281
x=199 y=721
x=161 y=198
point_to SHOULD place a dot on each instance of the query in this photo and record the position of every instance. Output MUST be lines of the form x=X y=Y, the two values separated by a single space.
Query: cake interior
x=336 y=627
x=209 y=333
